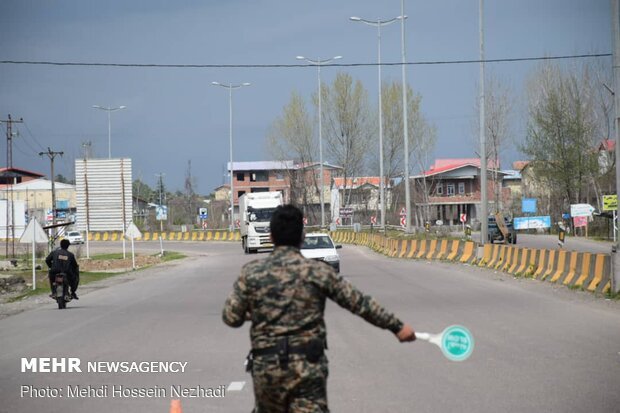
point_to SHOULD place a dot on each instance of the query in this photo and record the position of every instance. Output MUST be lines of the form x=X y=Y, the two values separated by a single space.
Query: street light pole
x=378 y=23
x=405 y=120
x=109 y=110
x=484 y=222
x=318 y=63
x=615 y=30
x=230 y=88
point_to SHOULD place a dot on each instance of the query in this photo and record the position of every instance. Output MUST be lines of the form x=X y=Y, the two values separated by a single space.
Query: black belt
x=312 y=350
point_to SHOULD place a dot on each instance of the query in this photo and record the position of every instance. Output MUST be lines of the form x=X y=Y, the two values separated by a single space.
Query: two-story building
x=451 y=187
x=361 y=194
x=299 y=183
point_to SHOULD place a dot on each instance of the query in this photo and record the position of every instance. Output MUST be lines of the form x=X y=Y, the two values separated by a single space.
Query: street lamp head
x=337 y=57
x=97 y=107
x=300 y=58
x=122 y=107
x=216 y=83
x=355 y=19
x=246 y=84
x=401 y=17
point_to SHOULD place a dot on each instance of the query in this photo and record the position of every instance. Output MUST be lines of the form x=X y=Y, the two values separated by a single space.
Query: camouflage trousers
x=300 y=388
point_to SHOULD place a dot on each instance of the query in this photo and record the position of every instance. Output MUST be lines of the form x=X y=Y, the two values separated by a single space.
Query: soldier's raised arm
x=348 y=296
x=236 y=305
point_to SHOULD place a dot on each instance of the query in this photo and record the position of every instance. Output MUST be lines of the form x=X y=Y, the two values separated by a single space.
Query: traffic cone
x=175 y=406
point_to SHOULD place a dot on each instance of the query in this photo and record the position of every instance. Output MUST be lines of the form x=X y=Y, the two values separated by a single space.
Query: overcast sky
x=174 y=114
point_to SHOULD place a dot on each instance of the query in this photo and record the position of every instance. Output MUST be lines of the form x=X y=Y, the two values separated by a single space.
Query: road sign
x=346 y=212
x=456 y=342
x=203 y=213
x=581 y=210
x=463 y=218
x=532 y=222
x=403 y=222
x=373 y=220
x=610 y=202
x=528 y=205
x=403 y=212
x=580 y=221
x=33 y=233
x=161 y=213
x=133 y=232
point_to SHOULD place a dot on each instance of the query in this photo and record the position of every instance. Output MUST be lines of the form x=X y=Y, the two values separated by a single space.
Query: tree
x=421 y=134
x=497 y=112
x=562 y=130
x=348 y=125
x=291 y=138
x=141 y=190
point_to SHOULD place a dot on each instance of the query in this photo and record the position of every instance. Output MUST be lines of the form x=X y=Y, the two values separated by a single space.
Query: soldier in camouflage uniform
x=284 y=298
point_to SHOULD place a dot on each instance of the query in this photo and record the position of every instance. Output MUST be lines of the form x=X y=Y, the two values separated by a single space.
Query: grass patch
x=110 y=256
x=171 y=256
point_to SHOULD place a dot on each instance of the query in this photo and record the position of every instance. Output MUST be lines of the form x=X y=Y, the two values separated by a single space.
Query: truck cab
x=501 y=229
x=256 y=210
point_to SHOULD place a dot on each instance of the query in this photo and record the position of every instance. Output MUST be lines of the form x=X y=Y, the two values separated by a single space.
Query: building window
x=461 y=188
x=239 y=193
x=279 y=175
x=260 y=190
x=259 y=176
x=450 y=189
x=440 y=189
x=240 y=176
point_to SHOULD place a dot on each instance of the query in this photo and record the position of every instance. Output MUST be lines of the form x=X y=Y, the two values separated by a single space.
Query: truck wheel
x=244 y=243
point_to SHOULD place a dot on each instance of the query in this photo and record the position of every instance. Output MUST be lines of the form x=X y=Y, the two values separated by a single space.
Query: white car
x=321 y=247
x=74 y=237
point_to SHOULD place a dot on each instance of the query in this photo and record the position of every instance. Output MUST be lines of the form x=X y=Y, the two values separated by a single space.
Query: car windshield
x=260 y=215
x=74 y=234
x=311 y=243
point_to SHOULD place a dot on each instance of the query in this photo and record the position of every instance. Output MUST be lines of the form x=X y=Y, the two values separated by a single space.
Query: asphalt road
x=539 y=348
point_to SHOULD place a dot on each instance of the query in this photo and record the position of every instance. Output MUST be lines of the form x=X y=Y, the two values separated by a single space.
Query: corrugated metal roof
x=41 y=185
x=109 y=194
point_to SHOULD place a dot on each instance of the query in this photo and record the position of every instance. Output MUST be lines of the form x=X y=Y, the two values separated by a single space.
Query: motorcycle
x=61 y=282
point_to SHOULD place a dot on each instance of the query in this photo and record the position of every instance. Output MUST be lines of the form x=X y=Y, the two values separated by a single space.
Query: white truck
x=256 y=209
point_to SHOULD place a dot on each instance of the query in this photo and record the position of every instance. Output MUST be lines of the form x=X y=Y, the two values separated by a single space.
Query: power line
x=32 y=136
x=263 y=66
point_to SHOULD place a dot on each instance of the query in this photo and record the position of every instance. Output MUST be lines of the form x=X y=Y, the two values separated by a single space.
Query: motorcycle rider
x=62 y=261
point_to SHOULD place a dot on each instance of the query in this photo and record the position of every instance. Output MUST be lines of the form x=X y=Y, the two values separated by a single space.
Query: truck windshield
x=261 y=215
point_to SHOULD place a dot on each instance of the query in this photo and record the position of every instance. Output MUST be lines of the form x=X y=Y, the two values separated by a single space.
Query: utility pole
x=51 y=155
x=161 y=189
x=484 y=221
x=615 y=30
x=9 y=163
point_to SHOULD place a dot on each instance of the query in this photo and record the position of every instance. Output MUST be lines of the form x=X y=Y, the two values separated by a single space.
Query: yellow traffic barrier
x=431 y=249
x=560 y=267
x=514 y=262
x=468 y=252
x=403 y=250
x=551 y=260
x=443 y=250
x=502 y=256
x=523 y=262
x=599 y=265
x=413 y=249
x=585 y=269
x=494 y=255
x=422 y=249
x=540 y=263
x=455 y=250
x=572 y=268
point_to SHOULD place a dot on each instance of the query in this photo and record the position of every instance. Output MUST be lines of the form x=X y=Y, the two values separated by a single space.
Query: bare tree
x=348 y=125
x=291 y=138
x=422 y=137
x=498 y=110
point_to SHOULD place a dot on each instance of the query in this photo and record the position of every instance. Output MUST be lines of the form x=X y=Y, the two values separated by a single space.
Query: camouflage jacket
x=284 y=295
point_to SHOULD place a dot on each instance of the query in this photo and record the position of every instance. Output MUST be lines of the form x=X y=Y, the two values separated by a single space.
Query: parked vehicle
x=321 y=247
x=504 y=232
x=256 y=209
x=74 y=237
x=61 y=288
